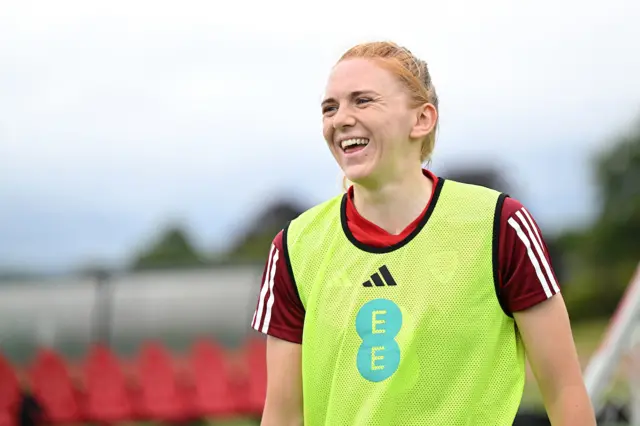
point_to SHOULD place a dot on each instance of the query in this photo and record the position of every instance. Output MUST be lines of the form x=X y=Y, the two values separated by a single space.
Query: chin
x=359 y=173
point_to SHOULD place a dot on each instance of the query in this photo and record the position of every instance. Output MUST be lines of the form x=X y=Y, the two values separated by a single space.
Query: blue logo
x=378 y=323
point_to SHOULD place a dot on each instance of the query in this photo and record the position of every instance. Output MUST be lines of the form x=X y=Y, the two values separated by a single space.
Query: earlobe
x=426 y=119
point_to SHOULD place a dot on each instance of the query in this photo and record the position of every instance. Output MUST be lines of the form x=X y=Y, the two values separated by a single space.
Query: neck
x=395 y=204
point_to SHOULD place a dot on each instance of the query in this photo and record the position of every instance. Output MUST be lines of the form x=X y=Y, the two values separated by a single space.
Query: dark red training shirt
x=526 y=276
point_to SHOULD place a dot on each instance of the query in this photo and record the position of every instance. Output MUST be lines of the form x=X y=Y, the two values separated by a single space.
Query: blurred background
x=150 y=151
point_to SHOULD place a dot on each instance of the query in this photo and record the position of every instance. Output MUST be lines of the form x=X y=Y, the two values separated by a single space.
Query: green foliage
x=616 y=234
x=603 y=256
x=254 y=248
x=253 y=245
x=618 y=172
x=172 y=250
x=592 y=299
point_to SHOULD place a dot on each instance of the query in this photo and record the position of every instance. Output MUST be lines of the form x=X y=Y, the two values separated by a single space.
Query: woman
x=411 y=299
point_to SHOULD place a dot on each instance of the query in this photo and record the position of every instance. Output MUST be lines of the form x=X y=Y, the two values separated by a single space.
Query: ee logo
x=378 y=323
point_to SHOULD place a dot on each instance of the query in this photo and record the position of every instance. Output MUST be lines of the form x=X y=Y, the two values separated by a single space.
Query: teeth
x=354 y=141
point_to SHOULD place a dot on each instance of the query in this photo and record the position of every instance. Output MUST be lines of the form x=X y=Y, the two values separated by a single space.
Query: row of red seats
x=209 y=382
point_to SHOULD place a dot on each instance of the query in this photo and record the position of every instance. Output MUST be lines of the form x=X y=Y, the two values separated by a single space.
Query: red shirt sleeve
x=279 y=312
x=526 y=276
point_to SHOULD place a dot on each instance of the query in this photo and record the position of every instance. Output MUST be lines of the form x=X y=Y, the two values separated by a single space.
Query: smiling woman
x=410 y=299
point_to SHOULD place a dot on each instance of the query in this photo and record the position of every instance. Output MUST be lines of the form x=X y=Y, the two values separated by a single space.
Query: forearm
x=281 y=418
x=571 y=406
x=272 y=421
x=283 y=403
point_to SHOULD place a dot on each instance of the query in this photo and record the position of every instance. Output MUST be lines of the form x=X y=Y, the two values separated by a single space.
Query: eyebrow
x=352 y=95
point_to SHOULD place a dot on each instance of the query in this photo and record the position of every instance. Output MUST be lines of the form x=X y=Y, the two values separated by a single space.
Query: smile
x=354 y=144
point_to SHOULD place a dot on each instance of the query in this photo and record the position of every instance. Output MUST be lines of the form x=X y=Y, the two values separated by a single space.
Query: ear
x=426 y=119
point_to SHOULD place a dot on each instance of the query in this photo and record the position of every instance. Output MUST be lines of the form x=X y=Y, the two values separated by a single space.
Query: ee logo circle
x=378 y=323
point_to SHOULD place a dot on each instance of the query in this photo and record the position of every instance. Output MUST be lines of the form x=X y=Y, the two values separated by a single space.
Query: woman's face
x=368 y=122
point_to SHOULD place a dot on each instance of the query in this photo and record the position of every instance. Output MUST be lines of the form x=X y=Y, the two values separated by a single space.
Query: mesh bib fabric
x=412 y=335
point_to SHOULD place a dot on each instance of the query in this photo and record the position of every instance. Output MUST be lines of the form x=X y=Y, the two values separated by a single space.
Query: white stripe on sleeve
x=538 y=245
x=267 y=316
x=531 y=255
x=526 y=213
x=257 y=317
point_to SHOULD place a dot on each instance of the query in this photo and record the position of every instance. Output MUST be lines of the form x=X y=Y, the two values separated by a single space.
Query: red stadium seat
x=254 y=357
x=107 y=399
x=9 y=393
x=213 y=392
x=52 y=386
x=160 y=397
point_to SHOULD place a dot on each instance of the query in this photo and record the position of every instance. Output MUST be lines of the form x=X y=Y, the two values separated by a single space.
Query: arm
x=280 y=315
x=548 y=342
x=283 y=406
x=529 y=290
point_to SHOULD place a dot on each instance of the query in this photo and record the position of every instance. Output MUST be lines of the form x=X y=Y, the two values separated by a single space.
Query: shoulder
x=318 y=210
x=469 y=190
x=525 y=272
x=512 y=207
x=314 y=220
x=469 y=201
x=514 y=217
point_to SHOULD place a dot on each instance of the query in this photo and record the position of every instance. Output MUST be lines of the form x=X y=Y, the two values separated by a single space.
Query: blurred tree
x=618 y=178
x=253 y=245
x=602 y=257
x=172 y=250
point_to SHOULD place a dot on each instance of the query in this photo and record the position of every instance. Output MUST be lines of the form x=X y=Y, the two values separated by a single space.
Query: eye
x=362 y=101
x=329 y=108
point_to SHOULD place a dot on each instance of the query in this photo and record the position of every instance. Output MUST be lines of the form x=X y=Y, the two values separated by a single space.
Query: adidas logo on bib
x=377 y=278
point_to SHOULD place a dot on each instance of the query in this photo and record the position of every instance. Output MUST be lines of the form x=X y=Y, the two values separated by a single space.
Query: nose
x=343 y=118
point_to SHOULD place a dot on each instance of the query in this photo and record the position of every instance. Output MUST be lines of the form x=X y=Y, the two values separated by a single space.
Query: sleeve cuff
x=528 y=301
x=282 y=334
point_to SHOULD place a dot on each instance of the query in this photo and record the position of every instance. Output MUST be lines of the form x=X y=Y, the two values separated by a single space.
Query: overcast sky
x=119 y=116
